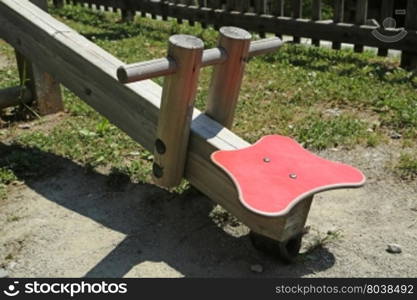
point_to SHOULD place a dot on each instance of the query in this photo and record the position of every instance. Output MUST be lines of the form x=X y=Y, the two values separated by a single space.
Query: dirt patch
x=74 y=223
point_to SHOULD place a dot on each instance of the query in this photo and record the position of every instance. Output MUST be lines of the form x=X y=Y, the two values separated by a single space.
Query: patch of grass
x=320 y=133
x=407 y=166
x=6 y=177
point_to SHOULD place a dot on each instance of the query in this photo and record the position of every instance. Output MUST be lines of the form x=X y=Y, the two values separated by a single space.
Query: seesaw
x=275 y=177
x=268 y=186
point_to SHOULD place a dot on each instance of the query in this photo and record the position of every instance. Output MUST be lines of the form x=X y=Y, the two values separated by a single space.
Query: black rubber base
x=286 y=251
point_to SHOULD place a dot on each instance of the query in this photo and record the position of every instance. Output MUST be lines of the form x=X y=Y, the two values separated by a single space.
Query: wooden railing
x=286 y=17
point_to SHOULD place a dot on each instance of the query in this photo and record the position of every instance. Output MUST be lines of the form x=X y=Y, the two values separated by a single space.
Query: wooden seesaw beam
x=90 y=72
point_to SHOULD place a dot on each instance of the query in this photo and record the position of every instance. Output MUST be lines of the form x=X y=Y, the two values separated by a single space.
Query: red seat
x=276 y=173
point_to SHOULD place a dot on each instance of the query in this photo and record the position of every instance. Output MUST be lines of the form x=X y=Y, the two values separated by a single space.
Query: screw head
x=293 y=176
x=267 y=159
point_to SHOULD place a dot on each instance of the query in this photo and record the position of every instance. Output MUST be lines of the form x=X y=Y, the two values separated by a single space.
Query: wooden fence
x=286 y=17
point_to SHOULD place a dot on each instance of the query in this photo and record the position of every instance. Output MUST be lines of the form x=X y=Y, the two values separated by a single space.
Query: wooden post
x=339 y=9
x=227 y=77
x=44 y=89
x=409 y=59
x=387 y=8
x=361 y=15
x=177 y=105
x=297 y=12
x=316 y=15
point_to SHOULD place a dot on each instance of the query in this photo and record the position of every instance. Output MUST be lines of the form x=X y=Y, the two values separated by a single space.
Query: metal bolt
x=267 y=159
x=293 y=176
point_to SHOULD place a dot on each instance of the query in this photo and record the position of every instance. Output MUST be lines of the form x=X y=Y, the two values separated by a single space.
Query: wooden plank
x=14 y=96
x=409 y=58
x=178 y=97
x=316 y=15
x=361 y=15
x=297 y=11
x=90 y=72
x=338 y=16
x=387 y=9
x=227 y=77
x=45 y=90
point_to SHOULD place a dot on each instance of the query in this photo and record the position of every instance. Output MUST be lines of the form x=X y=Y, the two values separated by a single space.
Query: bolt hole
x=157 y=170
x=160 y=146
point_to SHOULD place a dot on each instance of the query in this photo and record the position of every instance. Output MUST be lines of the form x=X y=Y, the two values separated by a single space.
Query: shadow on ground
x=175 y=229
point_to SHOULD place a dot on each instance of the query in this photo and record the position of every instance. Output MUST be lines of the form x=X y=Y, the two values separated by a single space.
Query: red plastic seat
x=276 y=173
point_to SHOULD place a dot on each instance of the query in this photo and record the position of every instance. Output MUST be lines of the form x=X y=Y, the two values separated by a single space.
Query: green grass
x=407 y=166
x=322 y=98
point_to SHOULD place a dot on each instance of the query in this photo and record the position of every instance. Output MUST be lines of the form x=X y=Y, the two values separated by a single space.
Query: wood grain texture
x=227 y=77
x=177 y=105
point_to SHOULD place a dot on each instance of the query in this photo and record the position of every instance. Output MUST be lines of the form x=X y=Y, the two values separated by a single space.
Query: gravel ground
x=76 y=223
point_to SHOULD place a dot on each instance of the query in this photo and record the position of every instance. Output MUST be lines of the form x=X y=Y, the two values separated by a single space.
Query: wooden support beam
x=409 y=58
x=338 y=16
x=44 y=89
x=227 y=77
x=177 y=105
x=14 y=96
x=361 y=15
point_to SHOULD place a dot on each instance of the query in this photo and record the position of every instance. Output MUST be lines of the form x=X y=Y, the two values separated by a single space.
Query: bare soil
x=74 y=222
